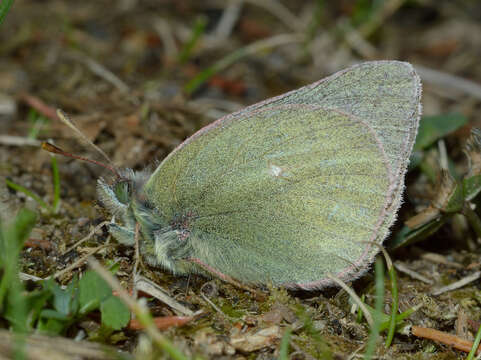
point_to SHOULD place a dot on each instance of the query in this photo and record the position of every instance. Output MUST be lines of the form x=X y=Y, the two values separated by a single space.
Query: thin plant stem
x=476 y=342
x=394 y=305
x=199 y=29
x=400 y=317
x=355 y=298
x=473 y=219
x=28 y=193
x=359 y=311
x=375 y=328
x=56 y=185
x=394 y=294
x=284 y=348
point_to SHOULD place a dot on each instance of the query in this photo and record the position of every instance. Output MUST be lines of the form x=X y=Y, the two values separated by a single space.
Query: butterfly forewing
x=289 y=201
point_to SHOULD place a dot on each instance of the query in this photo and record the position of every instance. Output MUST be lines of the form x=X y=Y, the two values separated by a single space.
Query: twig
x=81 y=241
x=28 y=277
x=440 y=259
x=164 y=30
x=146 y=286
x=79 y=262
x=404 y=269
x=356 y=41
x=281 y=12
x=367 y=313
x=458 y=284
x=229 y=18
x=214 y=306
x=356 y=352
x=11 y=140
x=101 y=71
x=444 y=338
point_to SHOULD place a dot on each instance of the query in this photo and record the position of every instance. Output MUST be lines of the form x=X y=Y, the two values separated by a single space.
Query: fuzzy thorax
x=163 y=242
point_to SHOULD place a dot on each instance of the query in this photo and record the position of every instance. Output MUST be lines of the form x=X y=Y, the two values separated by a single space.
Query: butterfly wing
x=289 y=190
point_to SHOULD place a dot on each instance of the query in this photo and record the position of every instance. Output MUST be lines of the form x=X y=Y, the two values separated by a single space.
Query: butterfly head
x=161 y=242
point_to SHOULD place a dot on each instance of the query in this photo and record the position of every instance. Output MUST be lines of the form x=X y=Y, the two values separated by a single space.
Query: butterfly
x=287 y=191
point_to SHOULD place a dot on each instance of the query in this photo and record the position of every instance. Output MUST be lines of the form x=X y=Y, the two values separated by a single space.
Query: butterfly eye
x=123 y=191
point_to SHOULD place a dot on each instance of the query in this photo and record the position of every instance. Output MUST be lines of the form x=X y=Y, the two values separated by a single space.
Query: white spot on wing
x=275 y=170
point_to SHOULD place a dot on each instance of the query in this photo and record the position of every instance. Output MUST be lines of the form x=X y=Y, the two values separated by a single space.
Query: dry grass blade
x=458 y=284
x=145 y=285
x=367 y=314
x=40 y=347
x=65 y=119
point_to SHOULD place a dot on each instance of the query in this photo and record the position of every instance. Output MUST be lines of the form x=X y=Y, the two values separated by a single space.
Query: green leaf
x=61 y=300
x=432 y=128
x=456 y=200
x=472 y=187
x=92 y=305
x=51 y=326
x=16 y=311
x=407 y=236
x=27 y=192
x=36 y=301
x=12 y=237
x=115 y=314
x=93 y=290
x=64 y=301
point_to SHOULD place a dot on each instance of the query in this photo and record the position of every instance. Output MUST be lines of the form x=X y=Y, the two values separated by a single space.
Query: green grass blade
x=375 y=328
x=394 y=305
x=400 y=318
x=476 y=342
x=56 y=185
x=250 y=49
x=199 y=29
x=28 y=193
x=284 y=348
x=359 y=310
x=4 y=7
x=12 y=237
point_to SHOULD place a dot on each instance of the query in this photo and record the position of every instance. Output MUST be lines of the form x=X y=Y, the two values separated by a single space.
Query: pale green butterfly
x=287 y=191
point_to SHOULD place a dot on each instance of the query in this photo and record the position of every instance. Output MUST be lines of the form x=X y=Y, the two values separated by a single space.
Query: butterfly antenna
x=56 y=150
x=66 y=120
